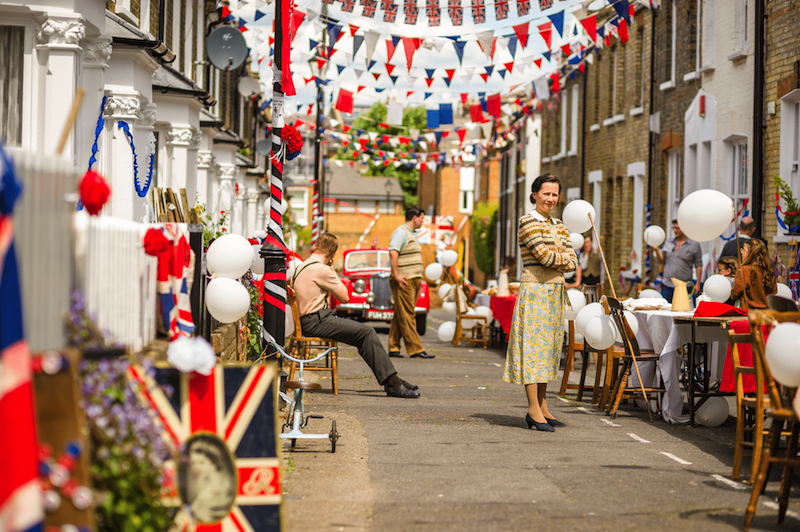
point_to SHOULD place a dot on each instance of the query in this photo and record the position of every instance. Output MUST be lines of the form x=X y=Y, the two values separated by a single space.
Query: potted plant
x=792 y=218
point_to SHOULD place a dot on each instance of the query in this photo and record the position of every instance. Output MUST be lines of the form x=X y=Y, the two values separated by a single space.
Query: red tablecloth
x=727 y=384
x=503 y=310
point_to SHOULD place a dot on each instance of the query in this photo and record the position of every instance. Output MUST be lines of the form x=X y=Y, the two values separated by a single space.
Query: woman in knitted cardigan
x=756 y=278
x=537 y=327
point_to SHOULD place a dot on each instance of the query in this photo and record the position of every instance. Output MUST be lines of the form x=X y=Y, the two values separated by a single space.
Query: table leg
x=690 y=380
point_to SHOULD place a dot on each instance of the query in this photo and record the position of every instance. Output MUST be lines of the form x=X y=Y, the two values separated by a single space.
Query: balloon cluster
x=228 y=258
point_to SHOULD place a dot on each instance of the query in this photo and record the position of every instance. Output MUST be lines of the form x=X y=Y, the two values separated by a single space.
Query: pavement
x=461 y=458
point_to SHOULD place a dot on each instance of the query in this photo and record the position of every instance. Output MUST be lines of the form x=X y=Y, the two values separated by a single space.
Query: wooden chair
x=300 y=346
x=780 y=412
x=782 y=304
x=747 y=407
x=476 y=335
x=633 y=355
x=571 y=346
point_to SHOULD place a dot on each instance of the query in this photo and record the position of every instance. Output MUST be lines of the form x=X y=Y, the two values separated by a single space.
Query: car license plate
x=378 y=315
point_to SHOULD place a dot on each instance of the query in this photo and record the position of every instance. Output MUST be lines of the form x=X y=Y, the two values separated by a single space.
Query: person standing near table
x=755 y=280
x=537 y=327
x=405 y=257
x=678 y=256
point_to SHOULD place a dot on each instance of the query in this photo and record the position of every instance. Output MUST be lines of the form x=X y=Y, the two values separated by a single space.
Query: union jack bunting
x=369 y=8
x=434 y=13
x=545 y=4
x=174 y=283
x=523 y=7
x=348 y=5
x=412 y=13
x=794 y=277
x=455 y=11
x=234 y=408
x=479 y=11
x=390 y=13
x=385 y=4
x=501 y=9
x=329 y=2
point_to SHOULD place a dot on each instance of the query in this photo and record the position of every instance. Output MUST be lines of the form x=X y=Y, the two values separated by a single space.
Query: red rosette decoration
x=293 y=141
x=155 y=243
x=254 y=242
x=94 y=191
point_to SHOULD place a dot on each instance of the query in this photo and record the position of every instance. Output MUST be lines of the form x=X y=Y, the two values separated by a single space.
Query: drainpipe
x=651 y=152
x=758 y=119
x=583 y=134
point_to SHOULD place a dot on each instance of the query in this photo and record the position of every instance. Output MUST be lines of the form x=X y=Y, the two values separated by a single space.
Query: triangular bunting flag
x=390 y=48
x=622 y=8
x=509 y=66
x=450 y=72
x=358 y=40
x=502 y=73
x=447 y=82
x=370 y=65
x=428 y=94
x=371 y=39
x=377 y=75
x=361 y=88
x=485 y=39
x=546 y=31
x=464 y=97
x=353 y=30
x=623 y=31
x=389 y=68
x=489 y=70
x=462 y=134
x=485 y=77
x=590 y=25
x=558 y=22
x=312 y=44
x=521 y=31
x=512 y=45
x=410 y=46
x=546 y=55
x=340 y=68
x=429 y=81
x=459 y=46
x=556 y=77
x=259 y=15
x=538 y=63
x=393 y=78
x=565 y=48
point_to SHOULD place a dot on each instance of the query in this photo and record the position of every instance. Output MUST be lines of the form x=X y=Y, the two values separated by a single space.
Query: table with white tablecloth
x=657 y=331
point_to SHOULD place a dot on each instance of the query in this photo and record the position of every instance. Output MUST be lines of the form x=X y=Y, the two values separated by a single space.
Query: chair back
x=614 y=309
x=739 y=371
x=592 y=292
x=291 y=298
x=782 y=304
x=761 y=320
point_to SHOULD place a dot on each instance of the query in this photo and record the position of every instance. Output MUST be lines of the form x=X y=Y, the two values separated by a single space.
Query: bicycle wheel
x=333 y=436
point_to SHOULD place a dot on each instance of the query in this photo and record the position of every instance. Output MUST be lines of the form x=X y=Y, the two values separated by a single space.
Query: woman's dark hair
x=541 y=180
x=758 y=258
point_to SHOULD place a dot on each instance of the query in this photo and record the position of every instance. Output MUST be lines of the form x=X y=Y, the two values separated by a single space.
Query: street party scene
x=371 y=266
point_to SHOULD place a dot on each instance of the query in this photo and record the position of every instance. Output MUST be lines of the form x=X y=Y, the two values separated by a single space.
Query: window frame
x=26 y=102
x=789 y=168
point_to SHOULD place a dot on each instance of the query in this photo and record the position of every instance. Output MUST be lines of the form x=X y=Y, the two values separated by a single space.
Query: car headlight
x=359 y=286
x=370 y=297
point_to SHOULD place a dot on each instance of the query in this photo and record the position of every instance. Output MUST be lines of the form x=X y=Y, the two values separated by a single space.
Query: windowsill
x=558 y=157
x=545 y=160
x=572 y=153
x=636 y=111
x=619 y=118
x=127 y=15
x=690 y=76
x=608 y=121
x=738 y=54
x=782 y=238
x=707 y=69
x=667 y=85
x=594 y=127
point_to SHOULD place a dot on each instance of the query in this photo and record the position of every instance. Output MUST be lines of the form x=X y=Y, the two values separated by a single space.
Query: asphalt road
x=460 y=458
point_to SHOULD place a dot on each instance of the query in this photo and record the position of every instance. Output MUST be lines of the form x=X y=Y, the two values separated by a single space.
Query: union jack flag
x=369 y=8
x=523 y=7
x=348 y=5
x=412 y=13
x=390 y=13
x=236 y=407
x=794 y=277
x=545 y=4
x=385 y=4
x=501 y=9
x=174 y=282
x=455 y=11
x=20 y=494
x=479 y=11
x=329 y=2
x=434 y=13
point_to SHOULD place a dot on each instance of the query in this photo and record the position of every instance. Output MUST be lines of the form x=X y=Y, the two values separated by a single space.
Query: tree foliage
x=484 y=234
x=408 y=176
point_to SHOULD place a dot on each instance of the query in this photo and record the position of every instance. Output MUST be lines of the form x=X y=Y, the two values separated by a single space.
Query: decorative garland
x=101 y=123
x=779 y=211
x=741 y=213
x=142 y=192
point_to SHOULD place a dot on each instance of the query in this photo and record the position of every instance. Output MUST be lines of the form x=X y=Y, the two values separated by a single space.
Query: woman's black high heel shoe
x=555 y=423
x=544 y=427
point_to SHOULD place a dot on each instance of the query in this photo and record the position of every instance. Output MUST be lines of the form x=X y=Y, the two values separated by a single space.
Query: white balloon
x=569 y=275
x=783 y=345
x=284 y=205
x=258 y=261
x=469 y=324
x=293 y=264
x=449 y=307
x=713 y=413
x=705 y=214
x=227 y=300
x=433 y=271
x=485 y=311
x=649 y=293
x=260 y=234
x=600 y=332
x=718 y=288
x=587 y=313
x=784 y=291
x=447 y=331
x=654 y=235
x=289 y=323
x=229 y=256
x=449 y=257
x=267 y=208
x=444 y=288
x=633 y=323
x=577 y=240
x=578 y=300
x=576 y=216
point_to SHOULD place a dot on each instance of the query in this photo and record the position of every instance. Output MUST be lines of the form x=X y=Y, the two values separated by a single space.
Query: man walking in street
x=405 y=256
x=314 y=281
x=678 y=256
x=747 y=228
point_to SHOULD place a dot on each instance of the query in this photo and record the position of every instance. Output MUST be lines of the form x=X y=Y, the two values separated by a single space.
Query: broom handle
x=73 y=115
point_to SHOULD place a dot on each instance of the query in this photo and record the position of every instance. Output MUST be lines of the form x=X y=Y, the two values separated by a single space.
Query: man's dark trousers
x=325 y=324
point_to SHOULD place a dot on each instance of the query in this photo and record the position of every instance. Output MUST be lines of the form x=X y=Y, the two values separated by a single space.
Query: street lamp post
x=388 y=186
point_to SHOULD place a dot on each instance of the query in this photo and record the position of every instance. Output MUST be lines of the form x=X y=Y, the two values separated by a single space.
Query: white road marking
x=609 y=423
x=729 y=482
x=638 y=438
x=776 y=506
x=496 y=364
x=584 y=409
x=679 y=460
x=562 y=399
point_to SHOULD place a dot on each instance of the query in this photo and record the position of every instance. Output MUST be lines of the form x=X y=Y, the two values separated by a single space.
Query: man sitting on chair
x=313 y=281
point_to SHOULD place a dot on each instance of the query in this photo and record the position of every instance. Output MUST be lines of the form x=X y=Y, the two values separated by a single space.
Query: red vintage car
x=366 y=275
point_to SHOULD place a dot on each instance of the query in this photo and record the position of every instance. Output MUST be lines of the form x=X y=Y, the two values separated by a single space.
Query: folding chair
x=304 y=347
x=476 y=335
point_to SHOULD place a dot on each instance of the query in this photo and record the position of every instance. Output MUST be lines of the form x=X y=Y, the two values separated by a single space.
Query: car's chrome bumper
x=353 y=306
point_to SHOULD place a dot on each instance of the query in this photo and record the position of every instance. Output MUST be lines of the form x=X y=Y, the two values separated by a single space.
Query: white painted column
x=205 y=173
x=145 y=145
x=224 y=201
x=116 y=162
x=182 y=139
x=252 y=213
x=96 y=53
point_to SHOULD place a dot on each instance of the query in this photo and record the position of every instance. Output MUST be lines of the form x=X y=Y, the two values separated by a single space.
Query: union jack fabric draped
x=794 y=277
x=235 y=406
x=411 y=11
x=434 y=13
x=501 y=9
x=348 y=5
x=385 y=4
x=523 y=7
x=175 y=276
x=456 y=12
x=545 y=4
x=369 y=8
x=329 y=2
x=390 y=13
x=479 y=11
x=20 y=496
